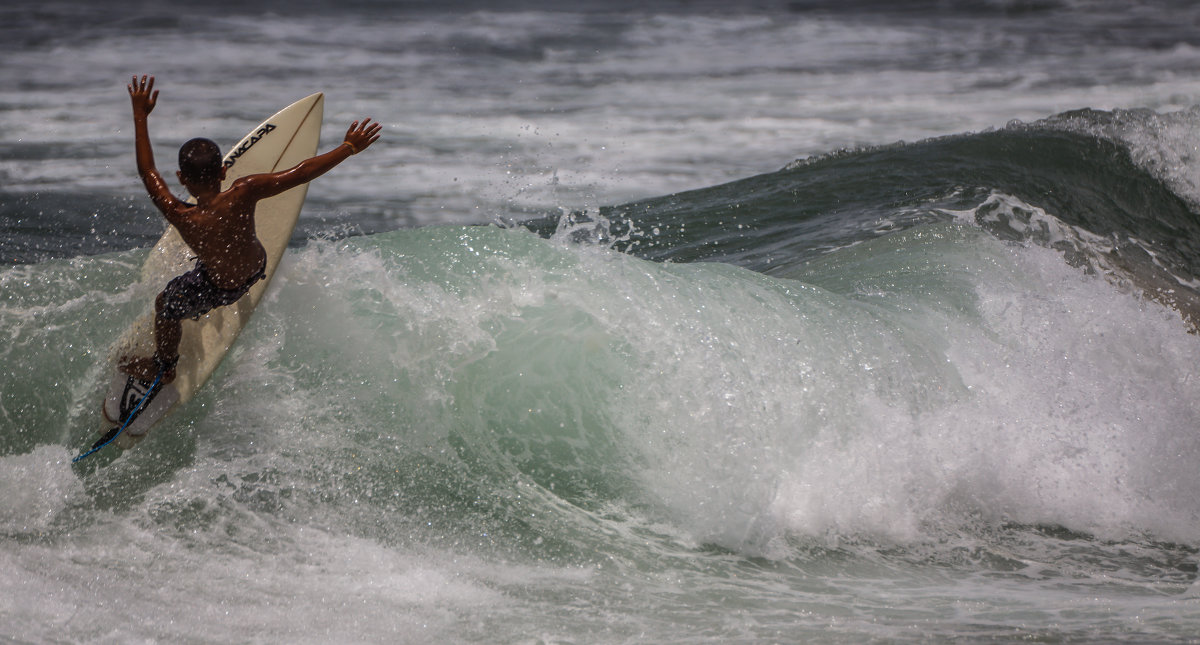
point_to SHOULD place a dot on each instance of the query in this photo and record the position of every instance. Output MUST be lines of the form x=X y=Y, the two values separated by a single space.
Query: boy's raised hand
x=359 y=136
x=143 y=95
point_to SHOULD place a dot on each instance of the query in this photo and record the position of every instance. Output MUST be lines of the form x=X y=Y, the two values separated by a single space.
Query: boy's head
x=200 y=162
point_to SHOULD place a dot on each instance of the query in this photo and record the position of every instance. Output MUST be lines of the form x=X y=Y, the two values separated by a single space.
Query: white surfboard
x=282 y=141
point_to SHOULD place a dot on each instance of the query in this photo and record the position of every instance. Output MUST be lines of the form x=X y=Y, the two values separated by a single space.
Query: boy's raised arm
x=358 y=137
x=144 y=97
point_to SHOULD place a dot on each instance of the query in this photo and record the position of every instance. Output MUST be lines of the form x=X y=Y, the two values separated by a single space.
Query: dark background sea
x=655 y=322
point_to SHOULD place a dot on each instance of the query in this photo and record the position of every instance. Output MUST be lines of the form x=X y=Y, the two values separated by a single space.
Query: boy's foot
x=146 y=368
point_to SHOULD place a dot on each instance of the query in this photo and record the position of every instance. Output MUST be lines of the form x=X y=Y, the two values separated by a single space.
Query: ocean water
x=679 y=322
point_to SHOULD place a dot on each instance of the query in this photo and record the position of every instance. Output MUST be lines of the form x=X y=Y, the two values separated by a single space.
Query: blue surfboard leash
x=112 y=435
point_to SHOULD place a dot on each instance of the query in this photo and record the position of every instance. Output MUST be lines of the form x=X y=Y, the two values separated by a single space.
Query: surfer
x=219 y=227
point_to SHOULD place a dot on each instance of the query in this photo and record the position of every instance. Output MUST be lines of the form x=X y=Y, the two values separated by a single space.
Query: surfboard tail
x=135 y=399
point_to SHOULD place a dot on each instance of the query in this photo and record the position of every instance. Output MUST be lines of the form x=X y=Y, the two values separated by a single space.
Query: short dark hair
x=200 y=160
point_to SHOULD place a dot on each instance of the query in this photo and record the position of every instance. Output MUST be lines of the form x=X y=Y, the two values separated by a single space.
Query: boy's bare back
x=221 y=233
x=219 y=228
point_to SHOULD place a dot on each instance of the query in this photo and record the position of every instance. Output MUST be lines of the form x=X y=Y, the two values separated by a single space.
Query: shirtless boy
x=219 y=227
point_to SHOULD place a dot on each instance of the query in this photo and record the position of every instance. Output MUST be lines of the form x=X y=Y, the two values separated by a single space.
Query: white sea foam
x=1073 y=409
x=147 y=586
x=35 y=490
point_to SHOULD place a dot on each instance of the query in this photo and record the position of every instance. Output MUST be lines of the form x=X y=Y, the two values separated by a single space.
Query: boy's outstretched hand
x=143 y=95
x=359 y=136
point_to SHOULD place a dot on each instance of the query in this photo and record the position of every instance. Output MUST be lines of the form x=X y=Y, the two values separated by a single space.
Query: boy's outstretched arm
x=144 y=97
x=358 y=137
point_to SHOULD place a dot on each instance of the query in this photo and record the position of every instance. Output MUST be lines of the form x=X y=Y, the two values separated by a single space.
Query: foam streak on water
x=496 y=114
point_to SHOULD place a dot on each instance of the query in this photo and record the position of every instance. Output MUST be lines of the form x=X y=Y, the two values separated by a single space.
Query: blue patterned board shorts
x=193 y=294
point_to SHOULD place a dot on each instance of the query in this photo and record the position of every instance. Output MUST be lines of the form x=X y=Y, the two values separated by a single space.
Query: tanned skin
x=219 y=227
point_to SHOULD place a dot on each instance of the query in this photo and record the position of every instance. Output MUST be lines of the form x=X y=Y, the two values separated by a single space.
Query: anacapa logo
x=266 y=129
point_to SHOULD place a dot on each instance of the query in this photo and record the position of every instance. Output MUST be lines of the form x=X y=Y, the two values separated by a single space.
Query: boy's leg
x=167 y=332
x=188 y=296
